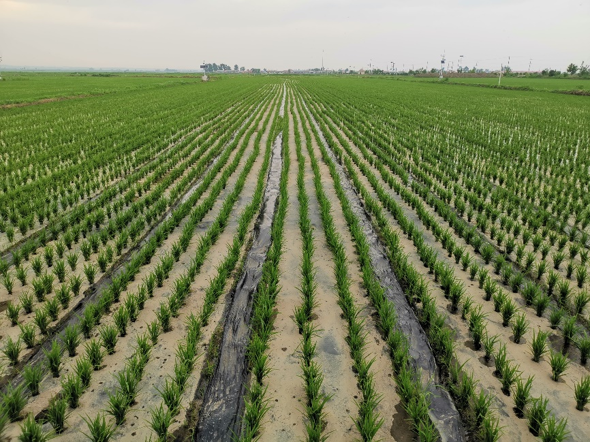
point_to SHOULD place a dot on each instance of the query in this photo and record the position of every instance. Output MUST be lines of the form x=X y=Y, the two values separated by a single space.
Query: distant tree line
x=214 y=67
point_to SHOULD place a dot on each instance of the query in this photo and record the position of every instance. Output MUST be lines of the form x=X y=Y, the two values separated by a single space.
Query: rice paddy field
x=292 y=258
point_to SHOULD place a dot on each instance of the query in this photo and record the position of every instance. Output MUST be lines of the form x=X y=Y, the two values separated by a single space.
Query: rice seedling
x=482 y=277
x=72 y=259
x=83 y=369
x=98 y=429
x=39 y=289
x=552 y=280
x=164 y=315
x=48 y=254
x=582 y=392
x=72 y=388
x=581 y=300
x=42 y=320
x=583 y=344
x=499 y=298
x=108 y=336
x=75 y=284
x=555 y=317
x=539 y=344
x=541 y=270
x=102 y=262
x=570 y=329
x=499 y=262
x=489 y=288
x=508 y=312
x=487 y=253
x=473 y=270
x=538 y=412
x=21 y=275
x=132 y=307
x=150 y=283
x=154 y=331
x=490 y=429
x=32 y=374
x=13 y=402
x=71 y=339
x=53 y=357
x=509 y=374
x=554 y=430
x=565 y=291
x=506 y=274
x=28 y=334
x=59 y=269
x=47 y=281
x=117 y=407
x=128 y=380
x=161 y=420
x=31 y=431
x=121 y=318
x=57 y=414
x=541 y=303
x=63 y=296
x=94 y=354
x=489 y=343
x=530 y=292
x=12 y=312
x=559 y=364
x=90 y=272
x=522 y=395
x=529 y=260
x=37 y=266
x=8 y=283
x=466 y=261
x=52 y=309
x=12 y=350
x=171 y=395
x=569 y=269
x=545 y=249
x=481 y=406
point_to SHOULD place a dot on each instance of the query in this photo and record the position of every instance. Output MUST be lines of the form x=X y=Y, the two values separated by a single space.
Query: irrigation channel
x=275 y=267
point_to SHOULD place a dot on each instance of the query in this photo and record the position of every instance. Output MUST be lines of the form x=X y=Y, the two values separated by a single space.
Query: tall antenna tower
x=442 y=66
x=460 y=63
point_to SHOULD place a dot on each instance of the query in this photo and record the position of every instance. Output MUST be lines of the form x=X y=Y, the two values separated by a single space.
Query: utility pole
x=530 y=61
x=392 y=68
x=442 y=66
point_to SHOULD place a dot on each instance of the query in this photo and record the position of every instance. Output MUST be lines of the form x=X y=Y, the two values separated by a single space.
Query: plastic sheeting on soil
x=221 y=413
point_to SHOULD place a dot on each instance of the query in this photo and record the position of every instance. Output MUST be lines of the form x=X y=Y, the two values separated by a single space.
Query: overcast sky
x=280 y=34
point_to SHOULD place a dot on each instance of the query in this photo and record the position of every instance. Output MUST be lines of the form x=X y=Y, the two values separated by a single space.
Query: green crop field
x=20 y=87
x=283 y=258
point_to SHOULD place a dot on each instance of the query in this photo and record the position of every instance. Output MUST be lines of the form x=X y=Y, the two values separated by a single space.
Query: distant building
x=361 y=72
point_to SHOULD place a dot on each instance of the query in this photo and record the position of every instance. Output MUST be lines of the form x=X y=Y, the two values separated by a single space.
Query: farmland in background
x=541 y=84
x=293 y=258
